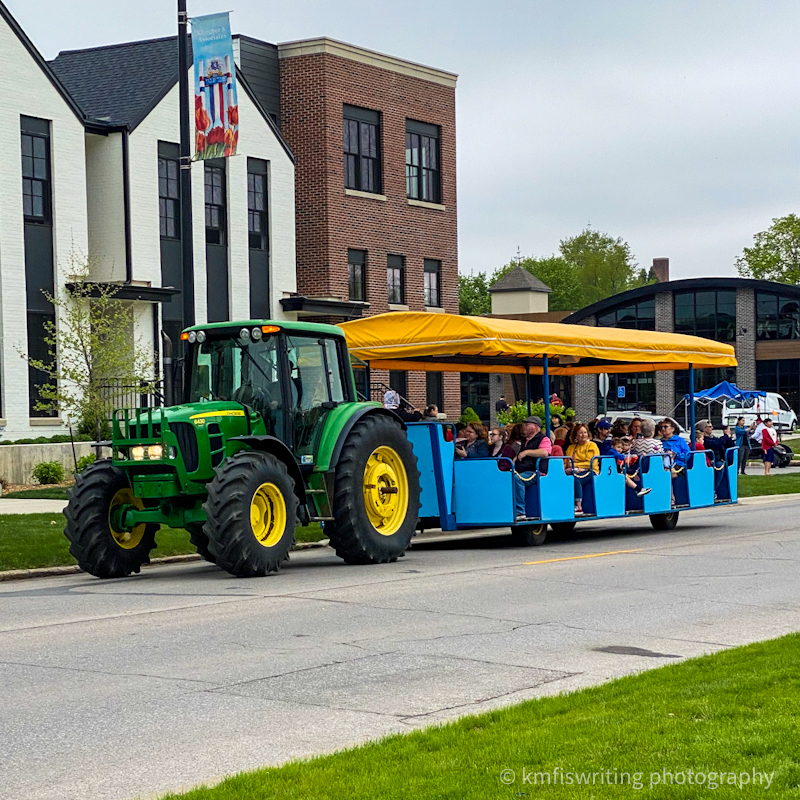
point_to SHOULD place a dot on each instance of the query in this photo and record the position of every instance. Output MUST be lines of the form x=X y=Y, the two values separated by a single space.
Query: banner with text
x=216 y=111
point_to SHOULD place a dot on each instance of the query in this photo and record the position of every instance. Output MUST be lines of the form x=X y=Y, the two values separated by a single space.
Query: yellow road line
x=575 y=558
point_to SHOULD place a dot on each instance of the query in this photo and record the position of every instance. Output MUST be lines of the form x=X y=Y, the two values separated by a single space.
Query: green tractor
x=271 y=435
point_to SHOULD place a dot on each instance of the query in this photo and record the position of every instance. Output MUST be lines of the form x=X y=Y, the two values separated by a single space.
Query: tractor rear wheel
x=199 y=539
x=98 y=548
x=251 y=512
x=376 y=494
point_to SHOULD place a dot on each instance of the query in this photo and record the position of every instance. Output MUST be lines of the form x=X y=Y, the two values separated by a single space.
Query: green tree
x=92 y=345
x=473 y=295
x=775 y=254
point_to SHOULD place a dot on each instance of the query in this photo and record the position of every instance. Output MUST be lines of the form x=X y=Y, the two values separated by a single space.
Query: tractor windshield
x=241 y=370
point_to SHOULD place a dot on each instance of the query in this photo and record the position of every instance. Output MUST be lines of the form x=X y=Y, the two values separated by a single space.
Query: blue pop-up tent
x=724 y=391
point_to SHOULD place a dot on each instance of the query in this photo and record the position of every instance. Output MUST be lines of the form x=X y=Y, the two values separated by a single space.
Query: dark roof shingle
x=519 y=279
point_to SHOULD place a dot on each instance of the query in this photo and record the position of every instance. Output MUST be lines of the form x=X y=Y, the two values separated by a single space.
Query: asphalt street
x=112 y=690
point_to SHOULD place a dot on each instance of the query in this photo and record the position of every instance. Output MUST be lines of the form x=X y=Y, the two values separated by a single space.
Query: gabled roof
x=39 y=59
x=518 y=280
x=120 y=84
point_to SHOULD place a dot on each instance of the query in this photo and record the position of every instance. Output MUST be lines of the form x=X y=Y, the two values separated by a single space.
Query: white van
x=773 y=405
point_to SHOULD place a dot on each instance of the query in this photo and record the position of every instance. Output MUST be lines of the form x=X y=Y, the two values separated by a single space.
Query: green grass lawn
x=28 y=541
x=51 y=493
x=779 y=482
x=733 y=712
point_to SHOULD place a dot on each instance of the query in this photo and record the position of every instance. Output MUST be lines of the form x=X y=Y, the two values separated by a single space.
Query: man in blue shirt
x=672 y=442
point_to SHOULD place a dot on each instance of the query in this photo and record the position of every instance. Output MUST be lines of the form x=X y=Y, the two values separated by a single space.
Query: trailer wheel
x=251 y=512
x=199 y=539
x=99 y=549
x=562 y=528
x=376 y=494
x=529 y=535
x=664 y=522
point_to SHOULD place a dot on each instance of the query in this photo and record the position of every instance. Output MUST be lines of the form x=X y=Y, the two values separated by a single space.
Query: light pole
x=187 y=254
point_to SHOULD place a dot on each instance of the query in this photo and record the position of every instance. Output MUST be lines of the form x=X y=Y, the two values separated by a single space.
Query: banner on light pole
x=216 y=109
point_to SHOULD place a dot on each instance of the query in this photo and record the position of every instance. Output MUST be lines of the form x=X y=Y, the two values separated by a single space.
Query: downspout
x=126 y=204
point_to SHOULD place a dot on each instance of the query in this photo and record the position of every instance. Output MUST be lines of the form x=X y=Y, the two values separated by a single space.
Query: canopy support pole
x=528 y=387
x=546 y=382
x=691 y=402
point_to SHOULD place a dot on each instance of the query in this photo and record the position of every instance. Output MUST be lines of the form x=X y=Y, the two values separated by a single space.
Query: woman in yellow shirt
x=582 y=451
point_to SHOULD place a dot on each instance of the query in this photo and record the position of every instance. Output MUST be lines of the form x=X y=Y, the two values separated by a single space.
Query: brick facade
x=746 y=339
x=330 y=219
x=665 y=379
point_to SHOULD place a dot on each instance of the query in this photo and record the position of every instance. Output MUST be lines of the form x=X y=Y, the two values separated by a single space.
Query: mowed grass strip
x=30 y=541
x=733 y=712
x=757 y=484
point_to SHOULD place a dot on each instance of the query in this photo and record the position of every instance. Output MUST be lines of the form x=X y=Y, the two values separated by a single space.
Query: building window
x=423 y=181
x=36 y=177
x=781 y=376
x=357 y=274
x=433 y=283
x=777 y=316
x=395 y=279
x=168 y=196
x=434 y=389
x=709 y=314
x=638 y=388
x=362 y=165
x=398 y=380
x=638 y=316
x=257 y=204
x=475 y=393
x=215 y=204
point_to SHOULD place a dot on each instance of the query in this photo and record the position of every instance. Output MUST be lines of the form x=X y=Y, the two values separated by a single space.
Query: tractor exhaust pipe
x=166 y=343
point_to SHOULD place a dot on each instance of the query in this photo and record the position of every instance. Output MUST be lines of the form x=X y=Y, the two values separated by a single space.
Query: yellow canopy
x=414 y=340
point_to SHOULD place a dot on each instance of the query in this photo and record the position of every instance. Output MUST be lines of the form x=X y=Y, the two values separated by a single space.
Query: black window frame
x=432 y=287
x=169 y=196
x=423 y=181
x=257 y=218
x=396 y=279
x=779 y=324
x=356 y=274
x=216 y=234
x=632 y=316
x=33 y=131
x=693 y=320
x=361 y=158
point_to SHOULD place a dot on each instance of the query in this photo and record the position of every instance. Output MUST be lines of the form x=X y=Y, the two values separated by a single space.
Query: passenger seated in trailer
x=535 y=446
x=431 y=414
x=601 y=436
x=674 y=445
x=560 y=437
x=497 y=441
x=582 y=451
x=647 y=445
x=726 y=440
x=627 y=464
x=511 y=446
x=635 y=428
x=476 y=444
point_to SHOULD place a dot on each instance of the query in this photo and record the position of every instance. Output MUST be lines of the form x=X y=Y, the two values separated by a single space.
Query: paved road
x=111 y=690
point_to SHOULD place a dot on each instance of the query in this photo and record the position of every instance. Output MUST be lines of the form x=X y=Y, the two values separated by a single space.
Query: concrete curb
x=71 y=569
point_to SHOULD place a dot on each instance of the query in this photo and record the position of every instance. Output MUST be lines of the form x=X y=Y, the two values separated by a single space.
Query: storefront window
x=777 y=316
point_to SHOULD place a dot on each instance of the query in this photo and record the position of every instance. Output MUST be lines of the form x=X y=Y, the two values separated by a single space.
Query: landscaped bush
x=519 y=411
x=85 y=461
x=59 y=438
x=48 y=472
x=469 y=415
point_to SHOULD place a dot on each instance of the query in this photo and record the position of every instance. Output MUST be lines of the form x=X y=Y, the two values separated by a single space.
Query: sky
x=671 y=124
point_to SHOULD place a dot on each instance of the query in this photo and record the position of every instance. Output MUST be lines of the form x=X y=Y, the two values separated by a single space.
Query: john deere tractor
x=270 y=435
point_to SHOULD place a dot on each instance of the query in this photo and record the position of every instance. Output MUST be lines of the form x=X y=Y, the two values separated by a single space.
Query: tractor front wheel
x=98 y=548
x=251 y=512
x=376 y=495
x=199 y=539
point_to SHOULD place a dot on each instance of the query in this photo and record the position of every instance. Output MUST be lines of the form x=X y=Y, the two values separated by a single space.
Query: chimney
x=661 y=269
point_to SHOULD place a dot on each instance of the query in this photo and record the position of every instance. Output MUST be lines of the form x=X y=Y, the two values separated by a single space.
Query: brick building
x=375 y=145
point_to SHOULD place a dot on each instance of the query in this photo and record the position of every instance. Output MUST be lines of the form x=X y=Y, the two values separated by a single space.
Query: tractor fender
x=348 y=426
x=275 y=447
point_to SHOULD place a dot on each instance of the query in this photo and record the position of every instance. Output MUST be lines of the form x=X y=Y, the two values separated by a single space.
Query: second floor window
x=168 y=195
x=257 y=203
x=395 y=279
x=36 y=177
x=215 y=204
x=423 y=181
x=362 y=166
x=711 y=314
x=356 y=274
x=433 y=286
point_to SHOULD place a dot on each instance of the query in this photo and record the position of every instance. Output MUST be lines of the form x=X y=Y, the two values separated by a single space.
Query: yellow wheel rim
x=268 y=514
x=385 y=490
x=126 y=539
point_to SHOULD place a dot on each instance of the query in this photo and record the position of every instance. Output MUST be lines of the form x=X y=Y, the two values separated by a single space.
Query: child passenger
x=626 y=461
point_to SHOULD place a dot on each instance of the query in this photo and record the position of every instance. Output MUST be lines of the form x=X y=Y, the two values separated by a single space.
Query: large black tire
x=529 y=535
x=664 y=522
x=562 y=528
x=97 y=548
x=248 y=483
x=198 y=538
x=353 y=533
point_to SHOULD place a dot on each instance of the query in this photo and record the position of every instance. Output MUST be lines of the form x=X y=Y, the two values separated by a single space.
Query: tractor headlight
x=256 y=334
x=244 y=333
x=192 y=337
x=201 y=337
x=172 y=452
x=137 y=453
x=155 y=451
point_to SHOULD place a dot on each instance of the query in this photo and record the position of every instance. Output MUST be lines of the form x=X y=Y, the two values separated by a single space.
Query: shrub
x=49 y=472
x=85 y=461
x=468 y=415
x=519 y=411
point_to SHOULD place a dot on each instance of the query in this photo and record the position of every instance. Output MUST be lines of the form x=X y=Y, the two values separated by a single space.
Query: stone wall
x=18 y=460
